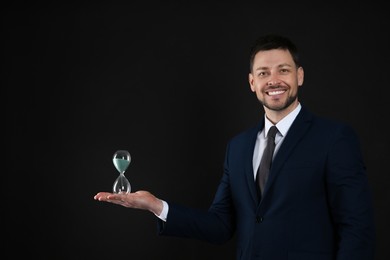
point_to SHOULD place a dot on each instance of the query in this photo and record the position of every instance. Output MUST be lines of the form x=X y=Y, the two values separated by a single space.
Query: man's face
x=275 y=79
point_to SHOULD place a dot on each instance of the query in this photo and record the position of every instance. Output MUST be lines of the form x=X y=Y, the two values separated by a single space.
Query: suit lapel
x=296 y=132
x=249 y=162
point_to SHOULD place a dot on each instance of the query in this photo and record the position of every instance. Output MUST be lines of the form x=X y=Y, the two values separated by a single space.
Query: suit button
x=259 y=219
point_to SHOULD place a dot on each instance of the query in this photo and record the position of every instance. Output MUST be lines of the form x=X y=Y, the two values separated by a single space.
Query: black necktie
x=265 y=163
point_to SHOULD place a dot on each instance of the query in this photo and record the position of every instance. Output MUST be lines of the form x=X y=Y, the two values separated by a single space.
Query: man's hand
x=136 y=200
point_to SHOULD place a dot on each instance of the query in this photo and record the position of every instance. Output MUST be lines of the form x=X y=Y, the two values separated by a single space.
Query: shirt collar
x=284 y=124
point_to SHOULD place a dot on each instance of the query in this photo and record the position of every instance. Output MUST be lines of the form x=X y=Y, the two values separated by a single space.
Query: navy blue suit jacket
x=316 y=204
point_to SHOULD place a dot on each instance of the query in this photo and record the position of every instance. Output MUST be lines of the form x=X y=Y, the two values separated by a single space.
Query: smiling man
x=315 y=203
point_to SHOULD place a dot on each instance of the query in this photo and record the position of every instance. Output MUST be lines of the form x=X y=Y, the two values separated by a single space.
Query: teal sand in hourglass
x=121 y=160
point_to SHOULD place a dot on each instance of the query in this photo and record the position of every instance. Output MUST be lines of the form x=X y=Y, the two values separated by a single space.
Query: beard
x=280 y=106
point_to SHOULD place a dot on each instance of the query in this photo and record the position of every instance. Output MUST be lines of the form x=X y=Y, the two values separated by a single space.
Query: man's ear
x=250 y=79
x=301 y=76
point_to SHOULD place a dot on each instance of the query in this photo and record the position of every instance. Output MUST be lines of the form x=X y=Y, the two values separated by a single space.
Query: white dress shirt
x=283 y=127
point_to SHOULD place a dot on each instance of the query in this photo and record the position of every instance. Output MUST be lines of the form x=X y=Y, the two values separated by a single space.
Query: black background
x=169 y=83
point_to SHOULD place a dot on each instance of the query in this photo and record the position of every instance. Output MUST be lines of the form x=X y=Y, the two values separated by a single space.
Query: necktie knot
x=272 y=132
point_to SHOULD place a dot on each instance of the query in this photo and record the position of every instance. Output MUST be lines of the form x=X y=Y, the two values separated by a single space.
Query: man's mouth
x=275 y=92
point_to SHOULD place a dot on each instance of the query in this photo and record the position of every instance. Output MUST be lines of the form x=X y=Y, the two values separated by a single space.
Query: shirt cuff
x=164 y=213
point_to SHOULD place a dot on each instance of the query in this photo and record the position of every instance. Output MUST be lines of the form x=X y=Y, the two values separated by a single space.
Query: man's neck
x=276 y=115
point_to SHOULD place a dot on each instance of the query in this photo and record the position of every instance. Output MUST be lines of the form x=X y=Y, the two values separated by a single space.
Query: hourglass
x=121 y=160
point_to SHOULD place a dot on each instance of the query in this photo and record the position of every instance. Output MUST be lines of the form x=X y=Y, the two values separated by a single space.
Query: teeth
x=272 y=93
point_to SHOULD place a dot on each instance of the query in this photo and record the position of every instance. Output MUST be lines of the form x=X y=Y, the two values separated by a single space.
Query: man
x=316 y=202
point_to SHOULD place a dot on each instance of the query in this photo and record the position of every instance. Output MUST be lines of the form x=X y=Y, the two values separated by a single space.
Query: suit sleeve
x=350 y=198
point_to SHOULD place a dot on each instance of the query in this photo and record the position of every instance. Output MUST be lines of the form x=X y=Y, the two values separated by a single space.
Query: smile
x=275 y=92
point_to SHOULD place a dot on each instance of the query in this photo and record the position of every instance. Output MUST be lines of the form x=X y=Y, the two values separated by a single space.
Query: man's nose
x=273 y=82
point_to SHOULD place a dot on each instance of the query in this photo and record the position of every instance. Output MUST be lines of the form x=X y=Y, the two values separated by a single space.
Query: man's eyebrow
x=279 y=66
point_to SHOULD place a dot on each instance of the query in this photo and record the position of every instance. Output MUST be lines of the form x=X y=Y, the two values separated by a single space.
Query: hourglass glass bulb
x=121 y=185
x=121 y=160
